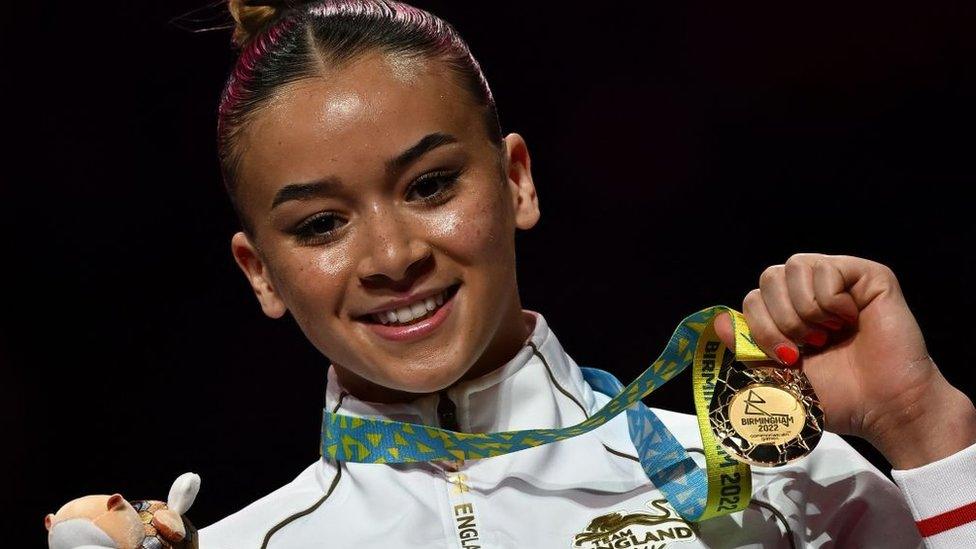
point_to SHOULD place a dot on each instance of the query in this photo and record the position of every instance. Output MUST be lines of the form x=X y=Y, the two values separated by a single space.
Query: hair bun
x=252 y=16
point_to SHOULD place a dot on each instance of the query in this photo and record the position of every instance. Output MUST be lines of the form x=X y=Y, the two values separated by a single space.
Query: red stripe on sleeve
x=947 y=520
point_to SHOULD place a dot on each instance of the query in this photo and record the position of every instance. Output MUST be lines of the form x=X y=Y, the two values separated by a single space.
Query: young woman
x=379 y=199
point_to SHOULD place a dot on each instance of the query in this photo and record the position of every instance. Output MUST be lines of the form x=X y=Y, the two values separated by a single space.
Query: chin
x=424 y=379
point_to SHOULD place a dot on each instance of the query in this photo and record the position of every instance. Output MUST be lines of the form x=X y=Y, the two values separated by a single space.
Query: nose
x=397 y=251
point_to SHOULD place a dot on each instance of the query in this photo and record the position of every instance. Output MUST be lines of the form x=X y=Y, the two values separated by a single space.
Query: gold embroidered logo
x=637 y=529
x=458 y=481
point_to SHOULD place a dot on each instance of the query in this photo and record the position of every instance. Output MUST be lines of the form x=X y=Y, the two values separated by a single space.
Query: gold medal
x=765 y=416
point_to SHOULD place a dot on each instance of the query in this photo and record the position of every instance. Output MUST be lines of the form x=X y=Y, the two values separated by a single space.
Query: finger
x=799 y=285
x=833 y=290
x=775 y=293
x=765 y=332
x=726 y=332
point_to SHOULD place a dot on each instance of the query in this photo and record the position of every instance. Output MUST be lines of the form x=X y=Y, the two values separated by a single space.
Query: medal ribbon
x=696 y=495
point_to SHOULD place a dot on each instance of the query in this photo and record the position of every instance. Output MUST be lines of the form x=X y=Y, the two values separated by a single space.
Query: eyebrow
x=331 y=184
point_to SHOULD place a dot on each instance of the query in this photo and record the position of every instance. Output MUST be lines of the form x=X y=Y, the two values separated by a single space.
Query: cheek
x=314 y=280
x=472 y=231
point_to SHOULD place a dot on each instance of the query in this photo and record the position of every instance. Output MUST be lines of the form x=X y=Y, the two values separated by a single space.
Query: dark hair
x=284 y=41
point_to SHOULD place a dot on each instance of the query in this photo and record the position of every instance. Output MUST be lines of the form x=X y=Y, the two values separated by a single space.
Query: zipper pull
x=446 y=412
x=447 y=417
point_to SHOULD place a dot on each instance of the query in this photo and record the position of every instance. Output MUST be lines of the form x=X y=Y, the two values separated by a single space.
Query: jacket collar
x=541 y=387
x=498 y=400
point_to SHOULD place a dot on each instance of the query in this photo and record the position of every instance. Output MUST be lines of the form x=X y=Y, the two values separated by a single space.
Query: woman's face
x=373 y=188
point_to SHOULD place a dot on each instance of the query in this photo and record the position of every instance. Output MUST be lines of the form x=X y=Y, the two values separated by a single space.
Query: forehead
x=351 y=120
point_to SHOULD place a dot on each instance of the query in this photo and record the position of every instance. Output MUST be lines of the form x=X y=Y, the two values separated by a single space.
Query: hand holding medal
x=843 y=321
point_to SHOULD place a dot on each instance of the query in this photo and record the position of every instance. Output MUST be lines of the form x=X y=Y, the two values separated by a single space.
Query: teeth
x=404 y=314
x=422 y=308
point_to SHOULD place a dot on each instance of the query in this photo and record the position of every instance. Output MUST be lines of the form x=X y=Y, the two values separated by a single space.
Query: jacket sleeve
x=942 y=497
x=835 y=496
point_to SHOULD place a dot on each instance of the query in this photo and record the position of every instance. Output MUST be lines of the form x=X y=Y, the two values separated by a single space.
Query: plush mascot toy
x=111 y=522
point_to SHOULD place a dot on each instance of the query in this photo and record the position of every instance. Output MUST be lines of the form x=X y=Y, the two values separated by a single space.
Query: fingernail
x=832 y=324
x=816 y=338
x=786 y=354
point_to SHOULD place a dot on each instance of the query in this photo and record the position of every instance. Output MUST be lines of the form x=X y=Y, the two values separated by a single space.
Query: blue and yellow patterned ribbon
x=725 y=487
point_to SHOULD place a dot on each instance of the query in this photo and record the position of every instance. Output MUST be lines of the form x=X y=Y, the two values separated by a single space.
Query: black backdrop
x=720 y=139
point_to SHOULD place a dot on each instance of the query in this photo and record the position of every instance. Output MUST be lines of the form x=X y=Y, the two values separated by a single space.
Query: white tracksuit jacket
x=589 y=491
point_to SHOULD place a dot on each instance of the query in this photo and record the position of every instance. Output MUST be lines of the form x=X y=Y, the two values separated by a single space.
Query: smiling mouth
x=413 y=313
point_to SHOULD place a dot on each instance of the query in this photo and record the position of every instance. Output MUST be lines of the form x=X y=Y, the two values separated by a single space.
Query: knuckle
x=792 y=266
x=793 y=326
x=804 y=258
x=763 y=336
x=751 y=299
x=795 y=258
x=770 y=273
x=891 y=281
x=807 y=308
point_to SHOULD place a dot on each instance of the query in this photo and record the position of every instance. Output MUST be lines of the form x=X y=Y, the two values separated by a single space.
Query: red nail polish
x=816 y=338
x=832 y=324
x=787 y=355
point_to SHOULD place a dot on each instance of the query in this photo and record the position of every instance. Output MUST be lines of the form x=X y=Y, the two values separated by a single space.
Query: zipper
x=463 y=514
x=446 y=412
x=447 y=419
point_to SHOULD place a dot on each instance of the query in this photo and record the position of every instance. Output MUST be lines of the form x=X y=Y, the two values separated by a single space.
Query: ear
x=249 y=260
x=518 y=170
x=48 y=521
x=115 y=501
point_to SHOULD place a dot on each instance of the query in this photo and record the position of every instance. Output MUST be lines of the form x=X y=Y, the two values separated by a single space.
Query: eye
x=324 y=226
x=434 y=187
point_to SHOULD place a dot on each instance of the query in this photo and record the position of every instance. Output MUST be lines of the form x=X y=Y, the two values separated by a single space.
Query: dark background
x=678 y=150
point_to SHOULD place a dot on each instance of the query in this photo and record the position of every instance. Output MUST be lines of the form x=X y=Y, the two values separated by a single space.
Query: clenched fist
x=845 y=322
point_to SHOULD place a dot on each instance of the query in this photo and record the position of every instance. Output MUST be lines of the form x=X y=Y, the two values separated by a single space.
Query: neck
x=508 y=340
